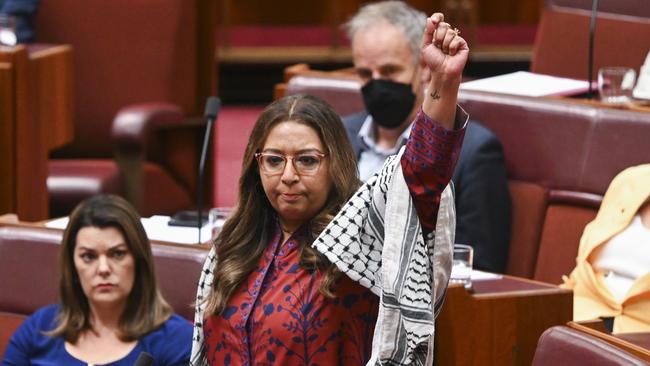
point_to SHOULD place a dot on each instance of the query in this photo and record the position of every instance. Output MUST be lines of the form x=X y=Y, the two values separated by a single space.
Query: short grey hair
x=409 y=20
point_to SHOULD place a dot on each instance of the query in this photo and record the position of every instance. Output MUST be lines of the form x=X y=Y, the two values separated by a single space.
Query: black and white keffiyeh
x=376 y=240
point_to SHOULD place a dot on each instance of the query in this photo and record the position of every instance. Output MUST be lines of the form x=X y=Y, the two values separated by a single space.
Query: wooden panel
x=7 y=140
x=207 y=64
x=51 y=71
x=498 y=328
x=36 y=115
x=31 y=156
x=259 y=12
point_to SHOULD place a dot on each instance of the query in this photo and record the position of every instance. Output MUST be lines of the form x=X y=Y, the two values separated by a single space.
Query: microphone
x=144 y=359
x=592 y=30
x=195 y=218
x=212 y=106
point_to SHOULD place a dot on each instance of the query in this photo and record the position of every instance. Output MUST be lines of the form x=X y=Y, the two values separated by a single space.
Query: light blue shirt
x=372 y=155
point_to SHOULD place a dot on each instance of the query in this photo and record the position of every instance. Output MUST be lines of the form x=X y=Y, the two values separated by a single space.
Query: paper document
x=480 y=275
x=158 y=229
x=527 y=84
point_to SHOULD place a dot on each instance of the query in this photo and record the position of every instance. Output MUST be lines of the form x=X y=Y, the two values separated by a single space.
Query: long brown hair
x=245 y=235
x=146 y=309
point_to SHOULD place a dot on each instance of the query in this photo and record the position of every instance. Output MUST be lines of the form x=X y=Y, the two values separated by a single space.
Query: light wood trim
x=637 y=351
x=36 y=116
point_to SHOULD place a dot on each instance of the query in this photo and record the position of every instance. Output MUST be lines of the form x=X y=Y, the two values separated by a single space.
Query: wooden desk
x=35 y=117
x=500 y=323
x=637 y=105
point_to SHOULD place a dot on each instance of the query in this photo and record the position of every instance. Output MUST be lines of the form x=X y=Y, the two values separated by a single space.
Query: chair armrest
x=138 y=133
x=134 y=126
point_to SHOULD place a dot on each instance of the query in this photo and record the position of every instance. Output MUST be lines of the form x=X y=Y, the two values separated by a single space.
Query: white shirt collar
x=367 y=136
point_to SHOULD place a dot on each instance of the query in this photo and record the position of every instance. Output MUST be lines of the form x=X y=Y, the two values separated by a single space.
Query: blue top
x=169 y=345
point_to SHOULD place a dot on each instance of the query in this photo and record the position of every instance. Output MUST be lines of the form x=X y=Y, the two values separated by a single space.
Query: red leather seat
x=566 y=153
x=9 y=323
x=128 y=54
x=621 y=36
x=562 y=345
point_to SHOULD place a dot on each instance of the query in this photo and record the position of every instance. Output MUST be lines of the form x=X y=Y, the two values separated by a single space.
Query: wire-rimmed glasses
x=306 y=163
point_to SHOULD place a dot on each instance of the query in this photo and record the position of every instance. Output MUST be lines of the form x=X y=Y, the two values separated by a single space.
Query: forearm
x=441 y=96
x=428 y=163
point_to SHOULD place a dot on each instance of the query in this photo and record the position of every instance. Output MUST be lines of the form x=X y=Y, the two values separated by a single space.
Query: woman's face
x=105 y=266
x=295 y=197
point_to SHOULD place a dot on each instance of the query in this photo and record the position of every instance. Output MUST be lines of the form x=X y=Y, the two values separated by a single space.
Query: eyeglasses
x=304 y=164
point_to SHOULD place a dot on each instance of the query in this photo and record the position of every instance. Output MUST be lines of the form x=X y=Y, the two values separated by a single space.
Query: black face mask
x=389 y=103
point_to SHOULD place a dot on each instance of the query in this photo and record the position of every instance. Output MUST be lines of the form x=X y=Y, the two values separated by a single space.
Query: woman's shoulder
x=44 y=318
x=171 y=342
x=30 y=338
x=176 y=324
x=171 y=331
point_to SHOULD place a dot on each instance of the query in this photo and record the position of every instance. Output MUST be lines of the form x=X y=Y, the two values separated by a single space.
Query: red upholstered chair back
x=562 y=345
x=622 y=36
x=529 y=202
x=178 y=269
x=125 y=52
x=340 y=88
x=28 y=268
x=566 y=154
x=543 y=146
x=9 y=323
x=342 y=94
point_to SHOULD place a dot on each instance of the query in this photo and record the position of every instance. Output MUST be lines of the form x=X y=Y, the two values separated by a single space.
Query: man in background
x=386 y=39
x=24 y=12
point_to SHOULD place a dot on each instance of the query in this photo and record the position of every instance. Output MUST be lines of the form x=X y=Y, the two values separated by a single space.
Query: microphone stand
x=144 y=359
x=195 y=218
x=211 y=110
x=592 y=31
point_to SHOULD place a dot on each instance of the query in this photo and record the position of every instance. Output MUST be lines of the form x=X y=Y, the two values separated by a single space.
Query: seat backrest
x=529 y=202
x=29 y=270
x=566 y=216
x=126 y=52
x=342 y=94
x=178 y=268
x=561 y=345
x=621 y=36
x=570 y=152
x=340 y=88
x=544 y=146
x=9 y=323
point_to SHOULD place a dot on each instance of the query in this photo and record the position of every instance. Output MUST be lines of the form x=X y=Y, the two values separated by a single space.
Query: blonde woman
x=612 y=275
